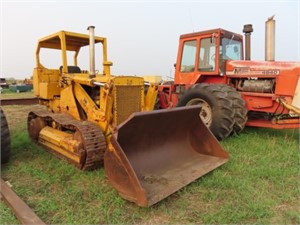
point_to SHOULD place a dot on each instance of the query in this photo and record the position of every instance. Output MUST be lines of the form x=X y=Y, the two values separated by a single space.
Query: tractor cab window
x=230 y=49
x=207 y=55
x=188 y=57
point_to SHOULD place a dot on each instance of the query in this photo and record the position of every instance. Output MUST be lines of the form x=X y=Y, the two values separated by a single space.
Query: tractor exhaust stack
x=248 y=30
x=92 y=51
x=270 y=39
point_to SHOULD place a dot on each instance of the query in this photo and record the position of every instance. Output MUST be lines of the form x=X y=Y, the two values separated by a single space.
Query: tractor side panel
x=286 y=83
x=46 y=83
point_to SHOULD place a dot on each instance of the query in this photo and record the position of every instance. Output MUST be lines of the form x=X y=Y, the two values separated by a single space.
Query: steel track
x=92 y=137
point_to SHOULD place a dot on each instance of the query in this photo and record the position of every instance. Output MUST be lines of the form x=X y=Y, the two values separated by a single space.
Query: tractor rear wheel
x=5 y=139
x=239 y=106
x=216 y=107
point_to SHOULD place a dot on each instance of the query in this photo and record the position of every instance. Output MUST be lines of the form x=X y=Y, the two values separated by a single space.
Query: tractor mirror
x=213 y=38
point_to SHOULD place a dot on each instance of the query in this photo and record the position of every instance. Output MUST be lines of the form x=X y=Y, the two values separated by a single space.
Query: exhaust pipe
x=248 y=30
x=92 y=51
x=270 y=39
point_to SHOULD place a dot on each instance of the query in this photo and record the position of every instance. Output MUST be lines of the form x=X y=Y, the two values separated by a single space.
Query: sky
x=142 y=36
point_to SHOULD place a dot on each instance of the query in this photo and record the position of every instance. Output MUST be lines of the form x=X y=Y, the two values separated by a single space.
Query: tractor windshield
x=230 y=49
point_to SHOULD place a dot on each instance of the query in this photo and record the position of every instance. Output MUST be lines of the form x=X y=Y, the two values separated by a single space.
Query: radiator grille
x=128 y=101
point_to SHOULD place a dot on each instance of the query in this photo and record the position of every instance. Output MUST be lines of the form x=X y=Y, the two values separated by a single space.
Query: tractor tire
x=239 y=106
x=216 y=107
x=5 y=139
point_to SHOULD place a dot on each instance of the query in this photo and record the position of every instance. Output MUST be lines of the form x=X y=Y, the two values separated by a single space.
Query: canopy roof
x=74 y=41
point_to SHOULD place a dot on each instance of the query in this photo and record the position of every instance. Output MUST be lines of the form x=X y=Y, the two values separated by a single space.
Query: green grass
x=8 y=94
x=259 y=185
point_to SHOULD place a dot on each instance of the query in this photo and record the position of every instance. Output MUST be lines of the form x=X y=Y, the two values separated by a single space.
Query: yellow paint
x=104 y=99
x=150 y=98
x=68 y=103
x=60 y=142
x=45 y=83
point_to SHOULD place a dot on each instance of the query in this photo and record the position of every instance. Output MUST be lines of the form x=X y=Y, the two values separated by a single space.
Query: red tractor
x=211 y=71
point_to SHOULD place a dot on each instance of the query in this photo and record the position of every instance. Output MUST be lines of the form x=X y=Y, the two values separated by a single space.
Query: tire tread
x=5 y=139
x=222 y=107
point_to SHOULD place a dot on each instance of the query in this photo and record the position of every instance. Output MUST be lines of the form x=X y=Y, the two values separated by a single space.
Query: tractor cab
x=205 y=53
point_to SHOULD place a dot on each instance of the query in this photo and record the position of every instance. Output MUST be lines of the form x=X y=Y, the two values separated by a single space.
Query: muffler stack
x=154 y=154
x=270 y=39
x=248 y=30
x=91 y=30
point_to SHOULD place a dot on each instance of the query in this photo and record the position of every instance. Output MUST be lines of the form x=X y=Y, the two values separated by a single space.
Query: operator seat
x=71 y=69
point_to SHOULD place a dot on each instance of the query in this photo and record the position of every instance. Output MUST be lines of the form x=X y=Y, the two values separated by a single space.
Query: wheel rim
x=205 y=113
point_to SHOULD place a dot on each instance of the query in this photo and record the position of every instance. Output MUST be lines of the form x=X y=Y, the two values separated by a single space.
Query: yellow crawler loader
x=93 y=117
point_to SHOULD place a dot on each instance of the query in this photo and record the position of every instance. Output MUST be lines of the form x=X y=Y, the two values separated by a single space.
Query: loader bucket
x=154 y=154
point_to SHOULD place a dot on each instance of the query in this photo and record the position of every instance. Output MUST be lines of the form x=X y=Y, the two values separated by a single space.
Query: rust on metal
x=21 y=210
x=19 y=101
x=174 y=149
